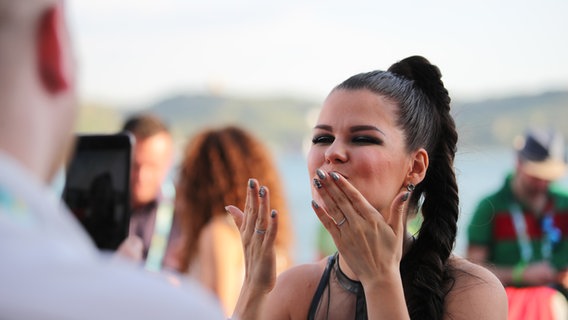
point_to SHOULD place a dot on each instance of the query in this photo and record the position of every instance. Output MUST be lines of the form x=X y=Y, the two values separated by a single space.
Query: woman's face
x=356 y=136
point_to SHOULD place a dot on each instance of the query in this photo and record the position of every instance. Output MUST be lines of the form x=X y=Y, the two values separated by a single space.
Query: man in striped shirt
x=520 y=232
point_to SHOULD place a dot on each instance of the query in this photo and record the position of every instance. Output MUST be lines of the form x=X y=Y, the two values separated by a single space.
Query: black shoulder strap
x=321 y=286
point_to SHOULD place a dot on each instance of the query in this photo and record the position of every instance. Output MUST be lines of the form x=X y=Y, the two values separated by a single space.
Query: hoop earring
x=410 y=187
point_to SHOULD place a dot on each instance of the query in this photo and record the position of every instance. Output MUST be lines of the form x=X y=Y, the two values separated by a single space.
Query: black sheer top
x=337 y=297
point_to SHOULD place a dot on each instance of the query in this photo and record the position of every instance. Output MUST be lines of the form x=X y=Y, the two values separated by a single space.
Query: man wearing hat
x=520 y=232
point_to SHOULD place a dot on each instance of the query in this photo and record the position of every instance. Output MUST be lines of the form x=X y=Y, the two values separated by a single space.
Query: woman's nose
x=336 y=153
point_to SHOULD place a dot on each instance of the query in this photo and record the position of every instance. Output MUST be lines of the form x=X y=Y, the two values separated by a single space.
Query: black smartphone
x=97 y=186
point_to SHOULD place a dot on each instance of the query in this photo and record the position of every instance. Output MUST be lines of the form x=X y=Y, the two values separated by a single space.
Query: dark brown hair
x=145 y=125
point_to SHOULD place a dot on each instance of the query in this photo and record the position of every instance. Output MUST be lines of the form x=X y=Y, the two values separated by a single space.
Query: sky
x=132 y=53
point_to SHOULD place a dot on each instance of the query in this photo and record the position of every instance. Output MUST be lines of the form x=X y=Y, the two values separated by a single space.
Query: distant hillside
x=282 y=122
x=498 y=121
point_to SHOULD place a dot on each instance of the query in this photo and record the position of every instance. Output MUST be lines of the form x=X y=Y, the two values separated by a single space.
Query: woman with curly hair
x=216 y=163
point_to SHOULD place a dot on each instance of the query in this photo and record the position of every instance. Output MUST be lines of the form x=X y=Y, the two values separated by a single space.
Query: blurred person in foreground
x=215 y=165
x=152 y=211
x=50 y=268
x=520 y=232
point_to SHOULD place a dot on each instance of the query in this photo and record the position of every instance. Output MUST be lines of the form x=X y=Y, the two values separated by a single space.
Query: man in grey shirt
x=50 y=269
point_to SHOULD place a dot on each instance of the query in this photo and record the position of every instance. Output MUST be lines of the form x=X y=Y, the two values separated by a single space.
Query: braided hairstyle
x=424 y=116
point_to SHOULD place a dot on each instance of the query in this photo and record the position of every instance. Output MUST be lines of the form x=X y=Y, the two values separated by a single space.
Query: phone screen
x=97 y=187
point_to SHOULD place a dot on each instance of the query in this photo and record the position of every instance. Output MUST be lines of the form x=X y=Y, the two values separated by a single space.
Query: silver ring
x=259 y=231
x=341 y=222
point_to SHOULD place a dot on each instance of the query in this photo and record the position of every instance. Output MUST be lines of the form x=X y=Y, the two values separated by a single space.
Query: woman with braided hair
x=383 y=148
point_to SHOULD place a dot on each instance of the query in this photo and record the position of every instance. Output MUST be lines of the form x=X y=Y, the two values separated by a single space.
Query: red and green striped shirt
x=493 y=226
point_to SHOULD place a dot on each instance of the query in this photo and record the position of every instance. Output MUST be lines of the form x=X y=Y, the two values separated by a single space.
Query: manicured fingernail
x=315 y=204
x=317 y=183
x=320 y=174
x=273 y=213
x=334 y=176
x=251 y=183
x=405 y=196
x=227 y=209
x=262 y=192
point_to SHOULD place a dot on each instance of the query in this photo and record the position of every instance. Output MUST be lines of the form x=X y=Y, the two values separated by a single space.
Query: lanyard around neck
x=15 y=208
x=550 y=234
x=522 y=233
x=162 y=229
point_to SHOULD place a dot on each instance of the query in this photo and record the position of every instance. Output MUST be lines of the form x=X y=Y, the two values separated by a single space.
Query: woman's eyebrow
x=365 y=128
x=324 y=127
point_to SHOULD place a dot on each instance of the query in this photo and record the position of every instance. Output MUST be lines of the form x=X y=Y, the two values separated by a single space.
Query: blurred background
x=268 y=65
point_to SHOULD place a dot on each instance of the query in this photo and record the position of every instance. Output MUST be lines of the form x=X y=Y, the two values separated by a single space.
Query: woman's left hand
x=258 y=226
x=369 y=243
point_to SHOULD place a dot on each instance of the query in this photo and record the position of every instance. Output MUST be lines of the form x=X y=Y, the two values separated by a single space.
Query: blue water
x=479 y=171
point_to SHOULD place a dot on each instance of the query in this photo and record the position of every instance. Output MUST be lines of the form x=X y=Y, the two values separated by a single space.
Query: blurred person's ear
x=53 y=67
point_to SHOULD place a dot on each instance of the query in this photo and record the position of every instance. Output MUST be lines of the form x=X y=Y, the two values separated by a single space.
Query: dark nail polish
x=315 y=204
x=273 y=213
x=405 y=196
x=320 y=174
x=334 y=176
x=317 y=183
x=251 y=183
x=262 y=192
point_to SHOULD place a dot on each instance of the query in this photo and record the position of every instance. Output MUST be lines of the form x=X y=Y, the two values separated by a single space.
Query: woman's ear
x=419 y=165
x=52 y=56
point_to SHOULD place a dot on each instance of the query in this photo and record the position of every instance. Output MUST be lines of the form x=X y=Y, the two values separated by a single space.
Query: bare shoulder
x=294 y=290
x=219 y=231
x=476 y=293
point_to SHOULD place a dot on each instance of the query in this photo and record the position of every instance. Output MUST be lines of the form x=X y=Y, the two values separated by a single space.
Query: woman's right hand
x=368 y=242
x=257 y=225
